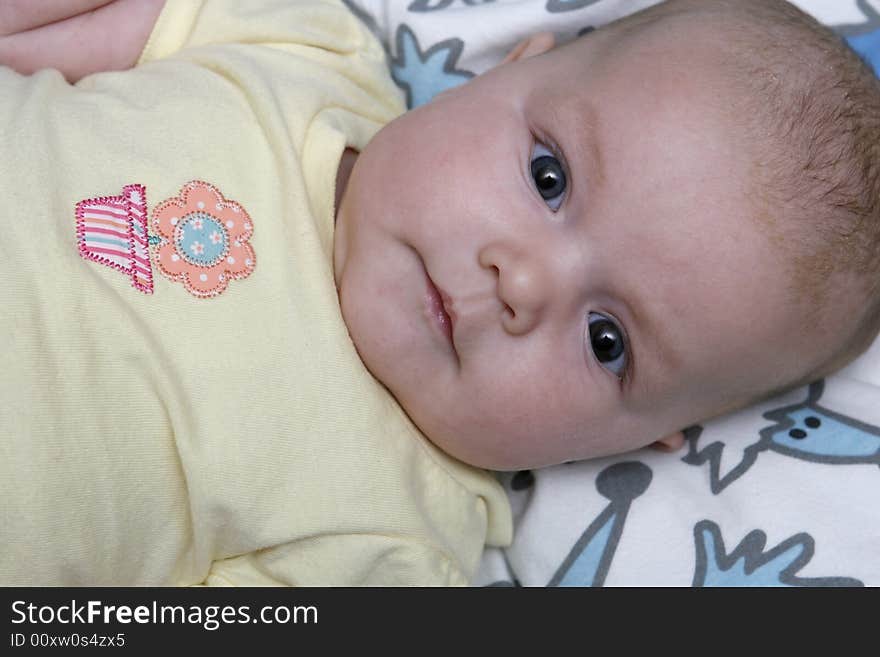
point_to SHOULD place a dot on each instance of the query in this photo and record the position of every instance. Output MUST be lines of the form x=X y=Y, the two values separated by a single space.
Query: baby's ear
x=537 y=44
x=671 y=443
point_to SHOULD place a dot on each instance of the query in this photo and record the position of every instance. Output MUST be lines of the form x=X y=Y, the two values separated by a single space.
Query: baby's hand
x=77 y=37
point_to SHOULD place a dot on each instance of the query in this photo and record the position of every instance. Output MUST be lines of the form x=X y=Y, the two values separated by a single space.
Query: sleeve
x=376 y=15
x=341 y=560
x=188 y=24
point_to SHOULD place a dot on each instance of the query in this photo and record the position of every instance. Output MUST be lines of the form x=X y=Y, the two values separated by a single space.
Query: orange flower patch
x=204 y=239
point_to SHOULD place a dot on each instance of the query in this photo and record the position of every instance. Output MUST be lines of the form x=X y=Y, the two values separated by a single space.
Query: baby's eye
x=549 y=176
x=608 y=343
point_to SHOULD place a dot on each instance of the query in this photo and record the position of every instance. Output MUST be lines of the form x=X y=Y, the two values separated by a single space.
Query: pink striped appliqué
x=112 y=231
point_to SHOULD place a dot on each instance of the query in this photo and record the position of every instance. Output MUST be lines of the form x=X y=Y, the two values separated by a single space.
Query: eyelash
x=540 y=137
x=597 y=316
x=626 y=375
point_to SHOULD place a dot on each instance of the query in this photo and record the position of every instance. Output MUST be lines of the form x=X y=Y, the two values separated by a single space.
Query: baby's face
x=557 y=260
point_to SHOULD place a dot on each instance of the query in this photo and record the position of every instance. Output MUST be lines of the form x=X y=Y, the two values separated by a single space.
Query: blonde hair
x=816 y=127
x=813 y=126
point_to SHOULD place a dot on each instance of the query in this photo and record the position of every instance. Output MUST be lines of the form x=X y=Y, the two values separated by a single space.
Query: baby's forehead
x=700 y=37
x=682 y=50
x=663 y=91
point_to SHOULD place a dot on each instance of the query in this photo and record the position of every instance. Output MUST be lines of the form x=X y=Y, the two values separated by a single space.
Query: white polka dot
x=174 y=221
x=236 y=209
x=200 y=205
x=237 y=244
x=230 y=260
x=248 y=262
x=221 y=278
x=229 y=224
x=203 y=277
x=218 y=207
x=247 y=226
x=174 y=257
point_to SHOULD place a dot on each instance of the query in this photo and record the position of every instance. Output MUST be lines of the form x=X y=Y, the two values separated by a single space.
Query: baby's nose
x=522 y=286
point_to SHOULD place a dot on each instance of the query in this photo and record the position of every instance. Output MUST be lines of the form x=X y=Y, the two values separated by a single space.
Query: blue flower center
x=201 y=239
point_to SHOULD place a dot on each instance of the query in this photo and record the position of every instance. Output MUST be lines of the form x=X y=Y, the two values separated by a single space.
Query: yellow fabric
x=168 y=439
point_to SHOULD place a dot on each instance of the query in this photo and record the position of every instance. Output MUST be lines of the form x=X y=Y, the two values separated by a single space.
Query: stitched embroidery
x=204 y=239
x=112 y=230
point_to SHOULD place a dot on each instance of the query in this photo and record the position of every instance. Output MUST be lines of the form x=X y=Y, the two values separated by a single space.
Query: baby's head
x=584 y=252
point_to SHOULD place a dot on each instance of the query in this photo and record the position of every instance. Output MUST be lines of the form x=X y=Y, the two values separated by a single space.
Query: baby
x=655 y=224
x=667 y=219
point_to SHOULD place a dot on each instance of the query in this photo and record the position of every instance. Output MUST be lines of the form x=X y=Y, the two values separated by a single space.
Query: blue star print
x=424 y=74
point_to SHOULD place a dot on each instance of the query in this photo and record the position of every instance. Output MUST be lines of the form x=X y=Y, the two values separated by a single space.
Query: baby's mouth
x=439 y=309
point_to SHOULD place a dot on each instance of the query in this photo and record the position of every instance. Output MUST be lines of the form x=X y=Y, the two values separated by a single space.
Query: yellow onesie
x=181 y=401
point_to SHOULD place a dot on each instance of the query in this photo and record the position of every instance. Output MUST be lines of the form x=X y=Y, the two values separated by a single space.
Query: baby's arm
x=77 y=37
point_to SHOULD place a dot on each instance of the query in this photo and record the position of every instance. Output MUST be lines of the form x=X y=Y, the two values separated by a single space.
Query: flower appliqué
x=203 y=239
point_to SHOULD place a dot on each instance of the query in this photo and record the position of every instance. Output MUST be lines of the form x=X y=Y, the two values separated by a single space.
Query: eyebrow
x=660 y=345
x=583 y=117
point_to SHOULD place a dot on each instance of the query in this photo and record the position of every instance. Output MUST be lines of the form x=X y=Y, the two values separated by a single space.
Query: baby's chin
x=489 y=449
x=454 y=436
x=510 y=451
